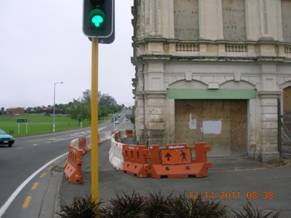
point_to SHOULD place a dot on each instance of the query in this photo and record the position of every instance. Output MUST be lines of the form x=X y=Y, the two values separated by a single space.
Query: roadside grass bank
x=41 y=124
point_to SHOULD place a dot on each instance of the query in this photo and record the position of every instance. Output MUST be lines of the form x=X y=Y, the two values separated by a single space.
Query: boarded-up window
x=286 y=20
x=186 y=19
x=234 y=25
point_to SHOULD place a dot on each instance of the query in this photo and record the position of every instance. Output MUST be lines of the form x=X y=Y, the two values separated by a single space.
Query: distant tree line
x=78 y=109
x=2 y=110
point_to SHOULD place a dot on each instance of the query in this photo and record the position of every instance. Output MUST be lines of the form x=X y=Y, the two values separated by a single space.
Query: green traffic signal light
x=97 y=18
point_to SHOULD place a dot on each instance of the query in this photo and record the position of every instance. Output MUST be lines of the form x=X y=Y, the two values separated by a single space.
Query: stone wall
x=227 y=46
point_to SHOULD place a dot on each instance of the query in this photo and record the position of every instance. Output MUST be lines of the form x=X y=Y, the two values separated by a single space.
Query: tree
x=2 y=111
x=81 y=109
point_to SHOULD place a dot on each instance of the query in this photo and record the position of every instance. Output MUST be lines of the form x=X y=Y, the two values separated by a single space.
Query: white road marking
x=20 y=187
x=34 y=145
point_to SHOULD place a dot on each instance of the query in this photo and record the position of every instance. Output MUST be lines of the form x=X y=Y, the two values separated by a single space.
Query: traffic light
x=98 y=20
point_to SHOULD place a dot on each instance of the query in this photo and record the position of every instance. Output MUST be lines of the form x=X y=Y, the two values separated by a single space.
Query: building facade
x=212 y=70
x=15 y=111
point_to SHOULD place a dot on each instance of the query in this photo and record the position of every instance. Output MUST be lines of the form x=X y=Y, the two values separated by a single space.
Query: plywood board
x=221 y=123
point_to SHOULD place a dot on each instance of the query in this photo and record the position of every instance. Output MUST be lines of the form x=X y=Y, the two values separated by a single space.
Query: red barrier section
x=73 y=165
x=176 y=156
x=154 y=155
x=135 y=160
x=178 y=171
x=174 y=161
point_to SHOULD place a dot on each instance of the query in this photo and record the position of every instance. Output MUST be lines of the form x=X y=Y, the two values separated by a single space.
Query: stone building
x=212 y=70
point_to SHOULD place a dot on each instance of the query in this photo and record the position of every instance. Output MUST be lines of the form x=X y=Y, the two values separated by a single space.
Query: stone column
x=139 y=118
x=254 y=126
x=155 y=118
x=150 y=17
x=140 y=29
x=253 y=24
x=170 y=120
x=166 y=15
x=140 y=104
x=210 y=19
x=271 y=19
x=155 y=103
x=268 y=95
x=269 y=124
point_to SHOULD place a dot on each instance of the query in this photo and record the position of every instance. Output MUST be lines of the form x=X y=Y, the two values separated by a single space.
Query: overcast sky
x=42 y=42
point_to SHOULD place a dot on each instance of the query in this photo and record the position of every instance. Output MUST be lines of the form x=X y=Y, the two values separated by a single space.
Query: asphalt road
x=28 y=154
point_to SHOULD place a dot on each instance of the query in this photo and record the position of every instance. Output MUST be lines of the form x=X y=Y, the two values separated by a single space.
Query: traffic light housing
x=98 y=20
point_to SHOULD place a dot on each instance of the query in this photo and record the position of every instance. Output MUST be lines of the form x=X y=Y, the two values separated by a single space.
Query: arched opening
x=217 y=116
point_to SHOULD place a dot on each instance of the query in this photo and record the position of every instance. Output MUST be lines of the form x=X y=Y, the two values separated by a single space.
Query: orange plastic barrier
x=174 y=161
x=154 y=155
x=135 y=160
x=176 y=156
x=201 y=149
x=73 y=165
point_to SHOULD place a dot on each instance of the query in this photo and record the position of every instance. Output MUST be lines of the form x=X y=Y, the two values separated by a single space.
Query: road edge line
x=12 y=197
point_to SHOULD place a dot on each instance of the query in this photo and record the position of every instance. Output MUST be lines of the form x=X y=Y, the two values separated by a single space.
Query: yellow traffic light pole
x=94 y=123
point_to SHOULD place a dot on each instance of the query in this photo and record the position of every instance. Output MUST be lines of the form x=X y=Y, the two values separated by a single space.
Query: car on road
x=5 y=138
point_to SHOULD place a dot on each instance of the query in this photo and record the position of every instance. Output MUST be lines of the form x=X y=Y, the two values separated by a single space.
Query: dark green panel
x=175 y=93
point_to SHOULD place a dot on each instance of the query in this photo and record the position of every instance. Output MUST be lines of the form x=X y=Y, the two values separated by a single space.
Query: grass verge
x=40 y=124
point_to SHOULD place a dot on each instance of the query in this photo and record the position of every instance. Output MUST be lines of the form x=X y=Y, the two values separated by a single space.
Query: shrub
x=80 y=208
x=183 y=206
x=125 y=206
x=249 y=211
x=157 y=206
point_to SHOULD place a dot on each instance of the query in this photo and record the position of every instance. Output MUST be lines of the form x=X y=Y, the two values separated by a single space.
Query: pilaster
x=167 y=18
x=269 y=125
x=253 y=25
x=210 y=19
x=270 y=19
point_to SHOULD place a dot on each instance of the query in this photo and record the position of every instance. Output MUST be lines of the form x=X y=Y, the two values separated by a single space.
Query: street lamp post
x=54 y=108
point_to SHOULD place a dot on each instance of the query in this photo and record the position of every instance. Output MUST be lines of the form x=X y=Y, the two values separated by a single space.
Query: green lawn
x=39 y=124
